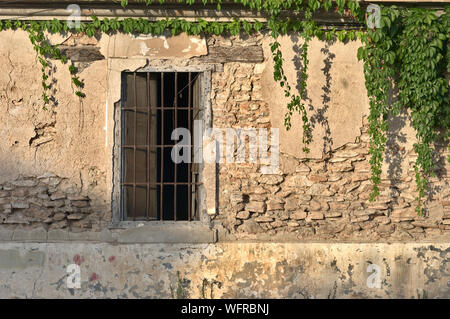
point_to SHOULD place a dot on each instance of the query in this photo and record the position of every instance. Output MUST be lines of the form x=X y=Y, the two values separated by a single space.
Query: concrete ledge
x=57 y=235
x=37 y=235
x=176 y=233
x=105 y=236
x=6 y=234
x=129 y=233
x=163 y=233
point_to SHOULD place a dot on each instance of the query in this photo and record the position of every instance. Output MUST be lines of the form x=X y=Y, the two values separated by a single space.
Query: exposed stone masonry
x=315 y=199
x=48 y=201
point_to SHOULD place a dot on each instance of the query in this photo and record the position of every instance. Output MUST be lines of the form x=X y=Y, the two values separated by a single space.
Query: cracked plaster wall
x=55 y=170
x=226 y=270
x=56 y=164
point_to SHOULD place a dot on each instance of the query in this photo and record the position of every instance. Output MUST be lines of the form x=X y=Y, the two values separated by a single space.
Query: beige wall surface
x=253 y=270
x=56 y=164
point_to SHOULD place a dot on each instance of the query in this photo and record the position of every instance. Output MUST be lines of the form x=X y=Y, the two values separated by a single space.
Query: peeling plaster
x=227 y=270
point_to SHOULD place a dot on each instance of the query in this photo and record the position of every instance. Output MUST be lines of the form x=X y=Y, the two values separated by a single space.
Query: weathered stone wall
x=47 y=201
x=325 y=197
x=56 y=163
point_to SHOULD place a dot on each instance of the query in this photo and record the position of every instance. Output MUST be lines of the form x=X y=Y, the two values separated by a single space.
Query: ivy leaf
x=114 y=24
x=8 y=24
x=76 y=81
x=246 y=26
x=17 y=24
x=56 y=26
x=95 y=21
x=105 y=25
x=361 y=53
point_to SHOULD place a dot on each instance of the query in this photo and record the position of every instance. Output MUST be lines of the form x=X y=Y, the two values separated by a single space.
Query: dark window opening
x=153 y=186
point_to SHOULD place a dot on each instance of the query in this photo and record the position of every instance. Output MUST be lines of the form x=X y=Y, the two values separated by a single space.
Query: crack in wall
x=40 y=274
x=10 y=80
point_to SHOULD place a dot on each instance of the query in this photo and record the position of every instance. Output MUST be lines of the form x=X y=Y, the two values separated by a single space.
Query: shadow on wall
x=400 y=156
x=318 y=116
x=31 y=197
x=400 y=135
x=440 y=161
x=395 y=153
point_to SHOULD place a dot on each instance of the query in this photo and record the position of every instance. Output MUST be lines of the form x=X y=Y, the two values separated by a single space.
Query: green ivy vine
x=409 y=51
x=45 y=50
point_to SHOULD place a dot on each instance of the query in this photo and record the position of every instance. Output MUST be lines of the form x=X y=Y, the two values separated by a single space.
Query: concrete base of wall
x=225 y=270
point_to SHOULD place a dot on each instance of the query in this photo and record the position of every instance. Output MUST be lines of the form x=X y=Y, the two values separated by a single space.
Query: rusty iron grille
x=153 y=186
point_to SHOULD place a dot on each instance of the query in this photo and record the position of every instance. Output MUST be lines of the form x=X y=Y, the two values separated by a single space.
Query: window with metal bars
x=153 y=186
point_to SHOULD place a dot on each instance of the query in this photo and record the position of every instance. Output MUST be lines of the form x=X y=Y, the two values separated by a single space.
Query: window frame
x=159 y=189
x=117 y=214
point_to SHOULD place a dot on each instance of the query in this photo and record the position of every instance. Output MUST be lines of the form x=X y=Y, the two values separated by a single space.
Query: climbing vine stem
x=378 y=53
x=423 y=86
